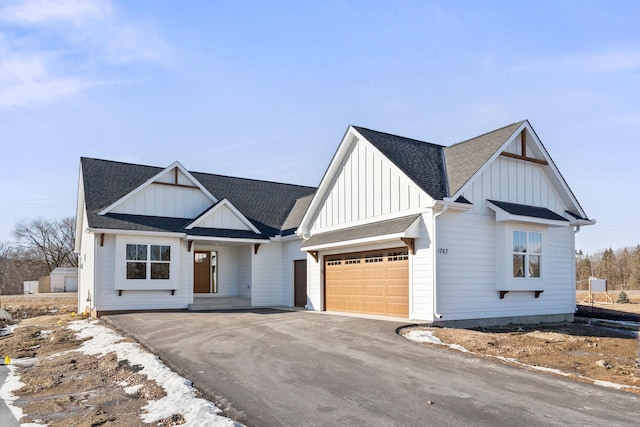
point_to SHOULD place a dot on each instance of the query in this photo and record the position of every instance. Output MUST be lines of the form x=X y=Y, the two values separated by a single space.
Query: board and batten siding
x=107 y=282
x=266 y=275
x=315 y=278
x=515 y=181
x=369 y=185
x=223 y=217
x=166 y=200
x=467 y=271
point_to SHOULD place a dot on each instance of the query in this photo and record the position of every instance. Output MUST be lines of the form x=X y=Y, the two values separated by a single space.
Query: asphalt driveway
x=279 y=368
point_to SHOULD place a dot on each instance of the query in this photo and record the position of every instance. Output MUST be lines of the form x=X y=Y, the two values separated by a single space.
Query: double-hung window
x=148 y=261
x=527 y=254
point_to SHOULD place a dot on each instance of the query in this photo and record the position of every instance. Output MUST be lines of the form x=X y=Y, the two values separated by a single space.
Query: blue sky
x=267 y=89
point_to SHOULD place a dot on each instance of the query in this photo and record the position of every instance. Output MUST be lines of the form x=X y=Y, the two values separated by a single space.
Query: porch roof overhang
x=506 y=211
x=388 y=230
x=198 y=233
x=170 y=227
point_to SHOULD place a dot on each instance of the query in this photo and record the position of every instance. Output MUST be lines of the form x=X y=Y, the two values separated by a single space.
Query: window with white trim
x=527 y=254
x=148 y=261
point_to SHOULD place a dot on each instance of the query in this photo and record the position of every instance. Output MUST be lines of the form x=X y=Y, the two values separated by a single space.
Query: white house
x=479 y=232
x=166 y=238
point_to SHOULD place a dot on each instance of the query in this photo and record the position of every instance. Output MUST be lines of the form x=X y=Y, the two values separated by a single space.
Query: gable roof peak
x=422 y=162
x=514 y=126
x=465 y=158
x=362 y=130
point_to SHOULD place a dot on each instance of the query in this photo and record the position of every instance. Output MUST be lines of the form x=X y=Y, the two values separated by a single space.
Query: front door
x=201 y=272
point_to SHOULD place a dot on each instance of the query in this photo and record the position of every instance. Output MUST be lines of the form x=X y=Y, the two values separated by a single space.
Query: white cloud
x=47 y=12
x=54 y=49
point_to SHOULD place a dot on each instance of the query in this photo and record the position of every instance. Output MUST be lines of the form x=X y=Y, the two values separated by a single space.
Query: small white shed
x=64 y=280
x=31 y=287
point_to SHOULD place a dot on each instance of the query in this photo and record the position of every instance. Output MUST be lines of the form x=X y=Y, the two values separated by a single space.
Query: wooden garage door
x=375 y=282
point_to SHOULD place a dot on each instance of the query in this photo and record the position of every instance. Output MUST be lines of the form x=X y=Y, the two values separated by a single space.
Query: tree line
x=40 y=247
x=621 y=268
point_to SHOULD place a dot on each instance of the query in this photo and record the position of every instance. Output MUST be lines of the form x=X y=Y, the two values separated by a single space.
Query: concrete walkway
x=279 y=368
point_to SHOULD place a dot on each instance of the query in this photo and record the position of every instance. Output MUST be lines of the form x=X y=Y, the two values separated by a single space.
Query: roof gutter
x=137 y=232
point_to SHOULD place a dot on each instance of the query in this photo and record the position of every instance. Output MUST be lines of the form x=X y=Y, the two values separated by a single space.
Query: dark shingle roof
x=528 y=210
x=465 y=158
x=295 y=215
x=266 y=204
x=421 y=161
x=380 y=228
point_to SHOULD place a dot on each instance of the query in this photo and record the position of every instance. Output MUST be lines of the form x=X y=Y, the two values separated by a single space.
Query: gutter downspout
x=435 y=294
x=573 y=248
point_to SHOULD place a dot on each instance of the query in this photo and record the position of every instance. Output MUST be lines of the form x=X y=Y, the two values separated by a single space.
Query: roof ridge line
x=193 y=172
x=398 y=136
x=486 y=133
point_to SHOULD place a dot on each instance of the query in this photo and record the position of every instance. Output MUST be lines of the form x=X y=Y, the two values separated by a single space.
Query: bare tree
x=52 y=241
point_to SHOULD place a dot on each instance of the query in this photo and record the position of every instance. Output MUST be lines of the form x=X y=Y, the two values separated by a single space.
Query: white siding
x=108 y=279
x=244 y=271
x=467 y=272
x=86 y=270
x=516 y=181
x=315 y=277
x=266 y=275
x=368 y=186
x=421 y=273
x=167 y=201
x=228 y=268
x=223 y=217
x=170 y=178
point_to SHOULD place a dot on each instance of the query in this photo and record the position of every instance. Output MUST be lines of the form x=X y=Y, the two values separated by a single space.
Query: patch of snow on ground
x=7 y=330
x=133 y=389
x=423 y=336
x=11 y=384
x=181 y=395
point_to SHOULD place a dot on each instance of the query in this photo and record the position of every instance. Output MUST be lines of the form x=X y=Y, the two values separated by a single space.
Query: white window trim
x=527 y=253
x=505 y=281
x=120 y=260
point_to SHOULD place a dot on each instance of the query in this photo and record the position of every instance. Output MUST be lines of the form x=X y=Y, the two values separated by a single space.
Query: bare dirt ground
x=67 y=388
x=586 y=350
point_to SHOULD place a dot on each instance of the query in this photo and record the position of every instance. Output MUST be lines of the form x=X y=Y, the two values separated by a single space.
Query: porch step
x=230 y=303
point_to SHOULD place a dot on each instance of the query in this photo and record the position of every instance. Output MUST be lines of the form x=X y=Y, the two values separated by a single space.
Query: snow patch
x=181 y=395
x=7 y=330
x=133 y=389
x=11 y=384
x=423 y=336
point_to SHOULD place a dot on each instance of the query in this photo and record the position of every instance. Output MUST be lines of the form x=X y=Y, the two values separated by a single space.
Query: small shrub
x=622 y=298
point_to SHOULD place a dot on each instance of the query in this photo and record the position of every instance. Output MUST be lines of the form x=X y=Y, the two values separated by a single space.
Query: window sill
x=173 y=291
x=536 y=294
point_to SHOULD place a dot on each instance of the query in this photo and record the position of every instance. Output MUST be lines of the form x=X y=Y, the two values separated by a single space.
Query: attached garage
x=373 y=282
